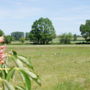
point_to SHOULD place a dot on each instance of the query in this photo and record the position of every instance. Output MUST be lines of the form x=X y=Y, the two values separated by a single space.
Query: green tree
x=8 y=39
x=66 y=38
x=17 y=35
x=42 y=31
x=75 y=37
x=1 y=33
x=85 y=30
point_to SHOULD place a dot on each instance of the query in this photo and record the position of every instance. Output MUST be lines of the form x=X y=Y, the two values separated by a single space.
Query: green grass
x=68 y=86
x=60 y=67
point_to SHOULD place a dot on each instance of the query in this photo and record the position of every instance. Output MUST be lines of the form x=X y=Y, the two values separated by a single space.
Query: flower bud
x=2 y=62
x=2 y=54
x=2 y=47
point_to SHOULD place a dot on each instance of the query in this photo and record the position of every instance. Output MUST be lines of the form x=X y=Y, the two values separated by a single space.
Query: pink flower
x=2 y=54
x=2 y=49
x=2 y=57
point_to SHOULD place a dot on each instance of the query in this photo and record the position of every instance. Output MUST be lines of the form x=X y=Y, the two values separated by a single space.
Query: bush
x=22 y=40
x=74 y=37
x=1 y=33
x=8 y=39
x=66 y=38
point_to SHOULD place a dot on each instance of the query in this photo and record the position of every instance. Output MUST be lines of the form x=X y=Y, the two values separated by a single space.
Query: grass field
x=60 y=67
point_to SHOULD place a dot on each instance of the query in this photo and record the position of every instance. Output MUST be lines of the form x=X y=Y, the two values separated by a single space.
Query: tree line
x=43 y=32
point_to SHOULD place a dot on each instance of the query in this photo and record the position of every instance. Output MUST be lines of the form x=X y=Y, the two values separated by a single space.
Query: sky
x=66 y=15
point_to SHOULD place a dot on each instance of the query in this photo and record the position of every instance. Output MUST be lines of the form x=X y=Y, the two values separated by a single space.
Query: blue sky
x=66 y=15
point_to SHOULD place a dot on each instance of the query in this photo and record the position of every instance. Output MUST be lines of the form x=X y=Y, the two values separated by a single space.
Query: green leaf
x=10 y=74
x=3 y=71
x=33 y=76
x=8 y=85
x=19 y=88
x=19 y=63
x=14 y=53
x=5 y=66
x=26 y=73
x=25 y=61
x=26 y=79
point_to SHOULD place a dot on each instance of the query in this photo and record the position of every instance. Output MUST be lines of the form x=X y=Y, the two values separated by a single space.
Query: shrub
x=8 y=39
x=1 y=33
x=22 y=40
x=66 y=38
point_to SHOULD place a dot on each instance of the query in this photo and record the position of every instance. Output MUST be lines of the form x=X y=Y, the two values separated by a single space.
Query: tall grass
x=67 y=64
x=69 y=85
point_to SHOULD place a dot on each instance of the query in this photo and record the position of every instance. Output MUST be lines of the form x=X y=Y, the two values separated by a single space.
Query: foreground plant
x=14 y=67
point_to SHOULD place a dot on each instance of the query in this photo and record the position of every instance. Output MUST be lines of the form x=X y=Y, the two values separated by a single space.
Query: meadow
x=61 y=67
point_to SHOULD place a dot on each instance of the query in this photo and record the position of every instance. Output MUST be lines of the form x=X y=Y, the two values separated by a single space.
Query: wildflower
x=2 y=49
